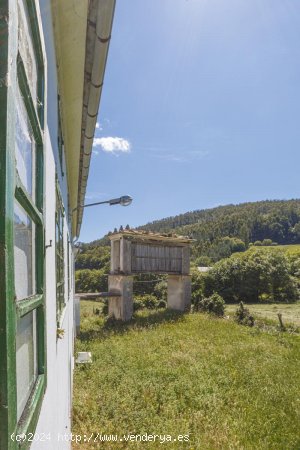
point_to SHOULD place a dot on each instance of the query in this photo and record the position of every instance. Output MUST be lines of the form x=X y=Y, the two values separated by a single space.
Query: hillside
x=219 y=231
x=270 y=219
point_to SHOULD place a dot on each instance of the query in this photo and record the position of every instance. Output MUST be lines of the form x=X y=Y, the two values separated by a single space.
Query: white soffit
x=82 y=31
x=70 y=27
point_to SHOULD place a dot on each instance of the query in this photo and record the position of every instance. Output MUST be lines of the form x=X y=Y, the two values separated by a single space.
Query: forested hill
x=278 y=220
x=223 y=230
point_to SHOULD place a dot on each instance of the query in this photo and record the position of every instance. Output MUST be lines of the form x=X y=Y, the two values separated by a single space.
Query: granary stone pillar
x=120 y=259
x=179 y=292
x=120 y=307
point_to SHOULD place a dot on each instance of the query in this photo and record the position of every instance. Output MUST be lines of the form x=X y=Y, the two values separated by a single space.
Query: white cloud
x=199 y=153
x=172 y=157
x=182 y=157
x=93 y=195
x=99 y=126
x=112 y=145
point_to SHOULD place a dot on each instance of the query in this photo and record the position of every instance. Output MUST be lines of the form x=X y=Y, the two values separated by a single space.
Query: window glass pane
x=25 y=147
x=69 y=268
x=26 y=351
x=26 y=49
x=24 y=252
x=60 y=276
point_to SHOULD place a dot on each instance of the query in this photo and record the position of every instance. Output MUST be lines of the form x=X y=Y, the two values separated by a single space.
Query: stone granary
x=134 y=252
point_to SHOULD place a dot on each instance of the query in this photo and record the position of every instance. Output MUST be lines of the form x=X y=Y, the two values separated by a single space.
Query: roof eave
x=70 y=29
x=99 y=27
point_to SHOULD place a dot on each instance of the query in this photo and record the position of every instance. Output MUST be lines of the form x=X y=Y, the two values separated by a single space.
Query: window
x=25 y=147
x=26 y=50
x=24 y=253
x=22 y=343
x=26 y=349
x=59 y=245
x=68 y=262
x=60 y=140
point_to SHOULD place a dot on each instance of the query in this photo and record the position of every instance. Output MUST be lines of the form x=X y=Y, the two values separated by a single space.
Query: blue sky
x=200 y=107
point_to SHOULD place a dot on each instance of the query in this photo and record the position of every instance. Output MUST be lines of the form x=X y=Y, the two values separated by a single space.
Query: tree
x=91 y=281
x=252 y=277
x=267 y=242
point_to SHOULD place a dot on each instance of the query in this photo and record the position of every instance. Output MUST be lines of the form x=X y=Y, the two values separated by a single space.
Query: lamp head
x=125 y=200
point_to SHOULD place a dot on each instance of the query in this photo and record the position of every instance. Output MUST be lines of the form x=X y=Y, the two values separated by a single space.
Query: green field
x=292 y=249
x=224 y=385
x=295 y=248
x=290 y=311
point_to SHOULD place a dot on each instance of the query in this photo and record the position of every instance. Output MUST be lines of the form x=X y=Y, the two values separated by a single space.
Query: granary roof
x=150 y=237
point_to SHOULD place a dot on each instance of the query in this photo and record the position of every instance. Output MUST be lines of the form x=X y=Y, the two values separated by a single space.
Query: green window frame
x=60 y=139
x=60 y=255
x=13 y=191
x=68 y=262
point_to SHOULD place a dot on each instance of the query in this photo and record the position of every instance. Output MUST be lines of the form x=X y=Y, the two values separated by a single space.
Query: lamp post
x=125 y=200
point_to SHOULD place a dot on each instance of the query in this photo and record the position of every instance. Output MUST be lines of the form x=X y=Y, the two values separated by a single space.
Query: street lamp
x=125 y=200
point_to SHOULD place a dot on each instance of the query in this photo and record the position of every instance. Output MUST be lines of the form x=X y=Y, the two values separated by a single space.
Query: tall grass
x=225 y=385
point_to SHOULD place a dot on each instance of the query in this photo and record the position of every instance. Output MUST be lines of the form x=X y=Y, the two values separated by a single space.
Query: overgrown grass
x=290 y=249
x=290 y=311
x=227 y=386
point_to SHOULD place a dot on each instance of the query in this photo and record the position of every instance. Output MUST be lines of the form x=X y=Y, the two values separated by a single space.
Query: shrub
x=203 y=261
x=267 y=242
x=197 y=297
x=91 y=280
x=197 y=285
x=105 y=307
x=150 y=284
x=237 y=245
x=252 y=277
x=257 y=244
x=161 y=290
x=162 y=304
x=145 y=301
x=223 y=247
x=150 y=301
x=213 y=305
x=138 y=303
x=243 y=316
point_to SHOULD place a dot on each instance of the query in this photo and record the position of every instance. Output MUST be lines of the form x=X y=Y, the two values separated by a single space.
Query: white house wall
x=55 y=416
